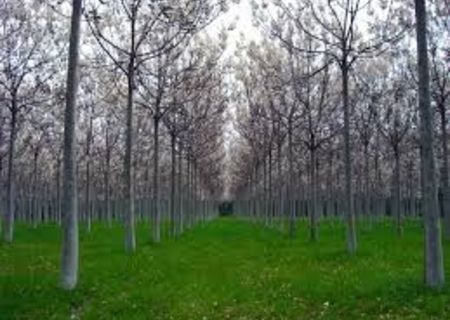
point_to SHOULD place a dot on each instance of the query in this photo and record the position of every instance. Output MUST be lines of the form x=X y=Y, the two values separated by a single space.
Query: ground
x=225 y=269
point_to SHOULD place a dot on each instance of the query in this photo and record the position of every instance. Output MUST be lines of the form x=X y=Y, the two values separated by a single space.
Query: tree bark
x=195 y=192
x=349 y=209
x=34 y=201
x=180 y=190
x=264 y=194
x=280 y=212
x=313 y=213
x=397 y=192
x=270 y=213
x=69 y=271
x=58 y=190
x=434 y=266
x=172 y=185
x=366 y=183
x=130 y=238
x=290 y=182
x=88 y=177
x=107 y=179
x=8 y=224
x=156 y=221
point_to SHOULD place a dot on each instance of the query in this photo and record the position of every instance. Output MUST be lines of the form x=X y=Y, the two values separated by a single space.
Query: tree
x=434 y=266
x=395 y=119
x=127 y=58
x=320 y=112
x=69 y=270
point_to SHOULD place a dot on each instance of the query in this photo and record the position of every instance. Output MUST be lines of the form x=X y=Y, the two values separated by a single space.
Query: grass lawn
x=227 y=269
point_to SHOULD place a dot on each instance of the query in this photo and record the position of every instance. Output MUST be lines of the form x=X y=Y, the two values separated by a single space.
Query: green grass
x=227 y=269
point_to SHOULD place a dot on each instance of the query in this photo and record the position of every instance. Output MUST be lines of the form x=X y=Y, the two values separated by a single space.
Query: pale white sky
x=239 y=15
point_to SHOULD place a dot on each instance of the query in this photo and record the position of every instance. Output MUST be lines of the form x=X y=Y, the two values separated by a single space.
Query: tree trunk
x=411 y=190
x=34 y=201
x=290 y=182
x=366 y=184
x=188 y=191
x=58 y=190
x=8 y=224
x=376 y=187
x=172 y=185
x=434 y=266
x=349 y=210
x=280 y=212
x=330 y=187
x=180 y=190
x=88 y=177
x=270 y=212
x=313 y=181
x=130 y=238
x=156 y=221
x=107 y=182
x=195 y=193
x=69 y=271
x=397 y=192
x=264 y=194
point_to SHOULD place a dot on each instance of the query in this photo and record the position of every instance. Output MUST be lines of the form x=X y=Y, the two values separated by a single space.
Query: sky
x=240 y=15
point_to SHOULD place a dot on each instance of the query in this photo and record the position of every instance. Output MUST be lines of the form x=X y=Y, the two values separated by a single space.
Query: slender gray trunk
x=156 y=221
x=88 y=177
x=379 y=210
x=434 y=266
x=34 y=201
x=69 y=270
x=58 y=190
x=264 y=194
x=8 y=224
x=411 y=193
x=179 y=191
x=195 y=192
x=130 y=238
x=313 y=213
x=280 y=184
x=188 y=191
x=270 y=213
x=397 y=192
x=366 y=183
x=349 y=209
x=107 y=180
x=290 y=182
x=172 y=186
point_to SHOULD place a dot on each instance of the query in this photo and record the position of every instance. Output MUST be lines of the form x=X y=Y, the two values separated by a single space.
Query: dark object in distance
x=226 y=209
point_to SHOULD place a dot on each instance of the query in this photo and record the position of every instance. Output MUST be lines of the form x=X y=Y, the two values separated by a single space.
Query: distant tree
x=394 y=116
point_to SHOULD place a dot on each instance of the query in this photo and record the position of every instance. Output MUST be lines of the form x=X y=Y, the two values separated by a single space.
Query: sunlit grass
x=227 y=269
